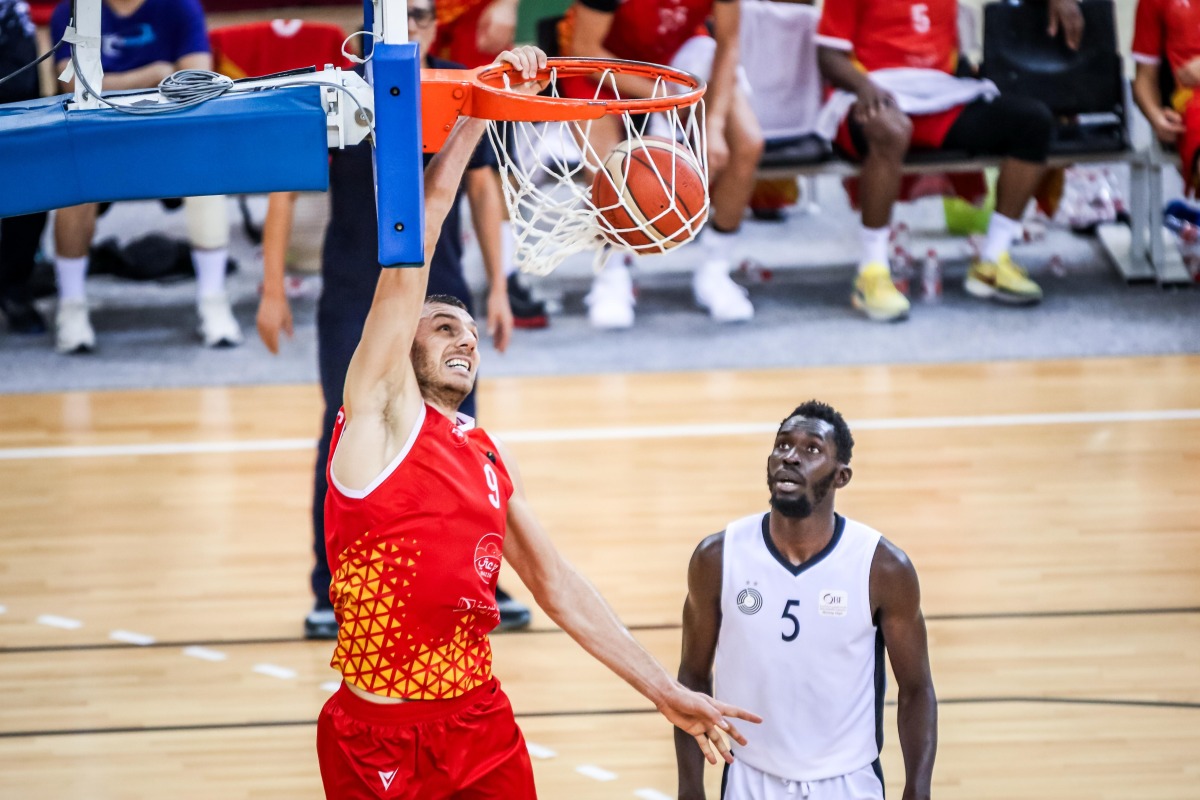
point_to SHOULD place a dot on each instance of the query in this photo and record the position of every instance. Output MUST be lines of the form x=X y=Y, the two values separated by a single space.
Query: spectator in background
x=1170 y=29
x=143 y=41
x=350 y=268
x=669 y=32
x=895 y=65
x=20 y=236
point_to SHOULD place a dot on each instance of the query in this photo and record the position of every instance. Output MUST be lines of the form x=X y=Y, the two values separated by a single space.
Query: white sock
x=71 y=273
x=718 y=246
x=1001 y=233
x=210 y=271
x=508 y=248
x=874 y=245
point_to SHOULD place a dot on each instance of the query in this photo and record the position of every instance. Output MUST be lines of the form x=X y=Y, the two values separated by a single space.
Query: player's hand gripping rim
x=526 y=62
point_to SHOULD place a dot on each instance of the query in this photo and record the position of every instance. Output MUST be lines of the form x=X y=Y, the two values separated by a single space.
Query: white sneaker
x=610 y=303
x=218 y=328
x=716 y=292
x=73 y=329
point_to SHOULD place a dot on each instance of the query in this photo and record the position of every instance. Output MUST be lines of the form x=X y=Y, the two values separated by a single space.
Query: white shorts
x=743 y=782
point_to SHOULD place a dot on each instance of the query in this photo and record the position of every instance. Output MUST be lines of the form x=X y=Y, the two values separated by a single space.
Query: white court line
x=650 y=794
x=595 y=773
x=273 y=671
x=66 y=623
x=539 y=751
x=204 y=654
x=620 y=433
x=131 y=637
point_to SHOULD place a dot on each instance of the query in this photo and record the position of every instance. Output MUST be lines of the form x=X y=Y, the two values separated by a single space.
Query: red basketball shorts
x=1189 y=142
x=468 y=748
x=928 y=131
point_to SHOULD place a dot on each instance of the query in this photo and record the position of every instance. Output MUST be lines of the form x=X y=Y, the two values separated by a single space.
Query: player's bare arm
x=486 y=199
x=838 y=68
x=701 y=626
x=1065 y=15
x=382 y=399
x=587 y=41
x=896 y=601
x=722 y=82
x=573 y=603
x=1167 y=122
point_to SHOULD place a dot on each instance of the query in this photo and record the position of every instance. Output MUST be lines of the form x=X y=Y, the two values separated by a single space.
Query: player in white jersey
x=792 y=610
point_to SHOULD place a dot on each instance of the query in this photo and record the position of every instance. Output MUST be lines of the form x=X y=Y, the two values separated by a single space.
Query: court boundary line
x=1182 y=705
x=616 y=433
x=674 y=626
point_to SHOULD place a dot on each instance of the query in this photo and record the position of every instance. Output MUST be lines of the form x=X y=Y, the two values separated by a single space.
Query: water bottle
x=931 y=278
x=901 y=268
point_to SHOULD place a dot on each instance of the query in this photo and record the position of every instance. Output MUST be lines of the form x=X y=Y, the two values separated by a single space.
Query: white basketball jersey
x=798 y=647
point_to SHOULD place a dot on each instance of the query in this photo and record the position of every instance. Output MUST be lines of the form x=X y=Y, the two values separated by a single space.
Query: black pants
x=20 y=238
x=1009 y=126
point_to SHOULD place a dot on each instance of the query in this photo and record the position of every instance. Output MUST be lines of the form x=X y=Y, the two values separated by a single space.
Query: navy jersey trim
x=839 y=524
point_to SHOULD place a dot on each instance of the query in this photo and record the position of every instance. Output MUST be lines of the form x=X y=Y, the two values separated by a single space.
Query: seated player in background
x=350 y=270
x=834 y=593
x=895 y=65
x=667 y=32
x=143 y=41
x=1170 y=29
x=422 y=507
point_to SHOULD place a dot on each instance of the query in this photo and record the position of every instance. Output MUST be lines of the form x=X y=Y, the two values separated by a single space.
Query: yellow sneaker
x=876 y=296
x=1002 y=280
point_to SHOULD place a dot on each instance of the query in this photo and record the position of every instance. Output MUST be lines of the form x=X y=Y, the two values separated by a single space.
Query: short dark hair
x=815 y=409
x=447 y=300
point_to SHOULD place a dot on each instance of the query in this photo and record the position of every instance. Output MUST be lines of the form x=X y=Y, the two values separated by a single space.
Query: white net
x=564 y=197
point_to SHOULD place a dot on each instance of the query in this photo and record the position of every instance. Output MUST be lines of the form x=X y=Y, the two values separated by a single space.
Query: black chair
x=1085 y=89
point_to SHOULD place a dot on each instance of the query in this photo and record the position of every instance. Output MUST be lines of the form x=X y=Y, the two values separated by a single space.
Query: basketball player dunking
x=795 y=607
x=421 y=509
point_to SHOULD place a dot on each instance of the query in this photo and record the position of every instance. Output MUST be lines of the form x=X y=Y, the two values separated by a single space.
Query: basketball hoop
x=551 y=174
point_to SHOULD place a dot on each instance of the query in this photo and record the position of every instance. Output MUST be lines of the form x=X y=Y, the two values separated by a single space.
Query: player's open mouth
x=459 y=363
x=787 y=486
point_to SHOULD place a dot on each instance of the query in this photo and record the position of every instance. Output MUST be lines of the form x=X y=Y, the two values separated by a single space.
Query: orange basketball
x=650 y=194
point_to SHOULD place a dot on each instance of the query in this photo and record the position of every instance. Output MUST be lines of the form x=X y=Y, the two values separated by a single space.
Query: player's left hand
x=497 y=26
x=1065 y=14
x=526 y=61
x=1189 y=74
x=718 y=149
x=499 y=317
x=704 y=718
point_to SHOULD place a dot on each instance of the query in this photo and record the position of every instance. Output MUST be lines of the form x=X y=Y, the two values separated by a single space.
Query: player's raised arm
x=701 y=625
x=895 y=588
x=573 y=603
x=380 y=372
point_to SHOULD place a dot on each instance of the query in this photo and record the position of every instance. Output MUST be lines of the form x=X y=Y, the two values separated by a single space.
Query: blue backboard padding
x=399 y=170
x=235 y=144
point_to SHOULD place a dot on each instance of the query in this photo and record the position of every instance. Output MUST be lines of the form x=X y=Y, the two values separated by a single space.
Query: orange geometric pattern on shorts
x=378 y=652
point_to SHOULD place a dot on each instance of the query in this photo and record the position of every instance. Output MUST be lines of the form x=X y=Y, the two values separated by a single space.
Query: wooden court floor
x=155 y=549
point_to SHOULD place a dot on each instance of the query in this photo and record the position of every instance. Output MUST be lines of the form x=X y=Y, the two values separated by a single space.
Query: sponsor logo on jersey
x=483 y=608
x=488 y=553
x=832 y=603
x=458 y=436
x=749 y=601
x=387 y=778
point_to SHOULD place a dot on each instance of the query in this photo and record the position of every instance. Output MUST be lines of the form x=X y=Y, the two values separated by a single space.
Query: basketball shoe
x=73 y=328
x=610 y=302
x=528 y=311
x=321 y=623
x=876 y=296
x=716 y=293
x=218 y=328
x=1002 y=280
x=513 y=614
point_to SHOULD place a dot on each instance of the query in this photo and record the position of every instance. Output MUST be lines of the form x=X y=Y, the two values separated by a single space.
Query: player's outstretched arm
x=701 y=625
x=573 y=604
x=897 y=593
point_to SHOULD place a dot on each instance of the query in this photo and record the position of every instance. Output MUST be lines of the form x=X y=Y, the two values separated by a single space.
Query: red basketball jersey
x=414 y=558
x=881 y=34
x=261 y=48
x=1167 y=27
x=649 y=30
